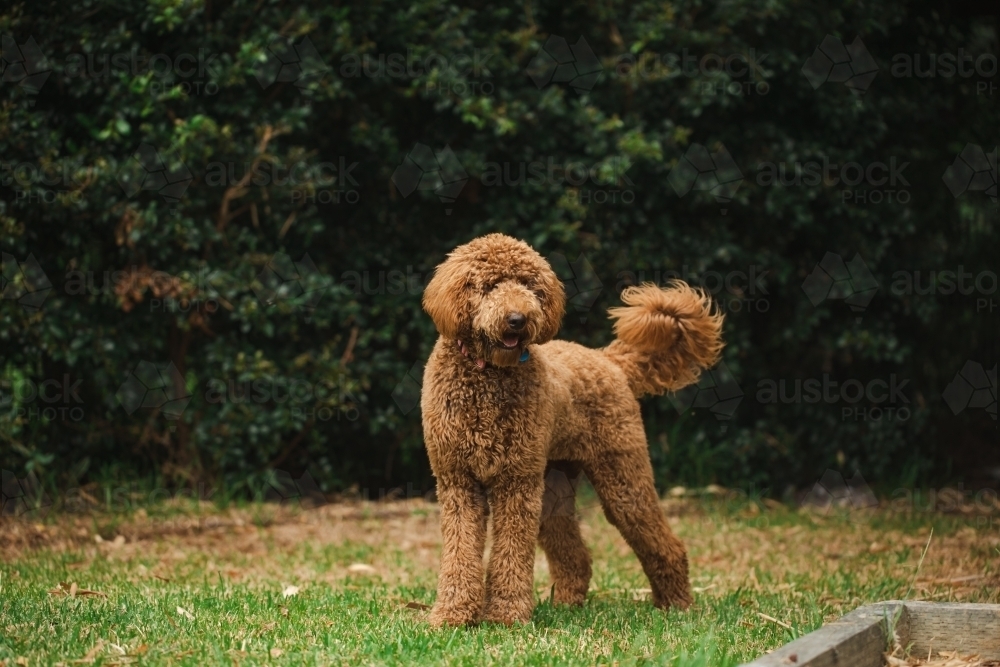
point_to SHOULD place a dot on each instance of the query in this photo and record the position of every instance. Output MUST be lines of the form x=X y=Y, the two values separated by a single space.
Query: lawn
x=180 y=583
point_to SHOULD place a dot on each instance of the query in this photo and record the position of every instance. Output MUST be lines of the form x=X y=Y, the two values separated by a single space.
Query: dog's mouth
x=511 y=340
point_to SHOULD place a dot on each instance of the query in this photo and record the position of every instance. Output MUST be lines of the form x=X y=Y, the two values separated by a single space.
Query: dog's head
x=497 y=295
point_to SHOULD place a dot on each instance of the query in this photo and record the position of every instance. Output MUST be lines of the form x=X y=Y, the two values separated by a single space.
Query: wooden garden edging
x=860 y=638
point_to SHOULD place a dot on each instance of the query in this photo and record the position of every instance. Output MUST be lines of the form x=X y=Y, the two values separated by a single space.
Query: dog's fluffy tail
x=666 y=337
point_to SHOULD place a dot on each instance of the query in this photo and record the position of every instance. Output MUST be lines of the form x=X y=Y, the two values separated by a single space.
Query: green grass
x=797 y=569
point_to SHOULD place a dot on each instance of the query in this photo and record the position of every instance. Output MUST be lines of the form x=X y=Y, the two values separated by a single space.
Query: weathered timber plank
x=953 y=626
x=855 y=640
x=859 y=638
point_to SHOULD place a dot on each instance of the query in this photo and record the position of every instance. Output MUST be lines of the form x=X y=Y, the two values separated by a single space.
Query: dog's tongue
x=510 y=340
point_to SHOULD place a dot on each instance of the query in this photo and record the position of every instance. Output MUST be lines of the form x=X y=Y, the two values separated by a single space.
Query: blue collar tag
x=524 y=356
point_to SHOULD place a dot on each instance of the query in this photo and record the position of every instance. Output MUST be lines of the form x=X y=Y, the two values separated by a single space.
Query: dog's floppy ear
x=444 y=298
x=553 y=302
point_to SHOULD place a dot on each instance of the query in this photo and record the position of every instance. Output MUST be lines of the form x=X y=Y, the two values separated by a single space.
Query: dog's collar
x=481 y=363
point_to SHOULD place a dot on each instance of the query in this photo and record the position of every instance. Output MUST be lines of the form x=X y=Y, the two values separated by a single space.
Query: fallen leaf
x=417 y=605
x=289 y=591
x=185 y=613
x=640 y=594
x=772 y=619
x=276 y=652
x=91 y=654
x=72 y=590
x=361 y=568
x=118 y=541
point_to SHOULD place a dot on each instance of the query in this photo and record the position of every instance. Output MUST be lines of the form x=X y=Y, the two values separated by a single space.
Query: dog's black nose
x=516 y=321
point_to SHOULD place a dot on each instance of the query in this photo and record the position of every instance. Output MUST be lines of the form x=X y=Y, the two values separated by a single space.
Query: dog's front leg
x=463 y=531
x=517 y=506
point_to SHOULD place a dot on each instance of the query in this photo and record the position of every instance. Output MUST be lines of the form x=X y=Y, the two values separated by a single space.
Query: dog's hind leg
x=463 y=529
x=623 y=479
x=516 y=504
x=559 y=534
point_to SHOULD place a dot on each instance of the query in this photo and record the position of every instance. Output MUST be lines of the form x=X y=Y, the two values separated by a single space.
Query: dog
x=504 y=407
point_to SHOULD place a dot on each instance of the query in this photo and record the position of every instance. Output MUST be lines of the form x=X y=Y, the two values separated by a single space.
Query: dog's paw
x=452 y=616
x=679 y=599
x=573 y=596
x=508 y=612
x=502 y=619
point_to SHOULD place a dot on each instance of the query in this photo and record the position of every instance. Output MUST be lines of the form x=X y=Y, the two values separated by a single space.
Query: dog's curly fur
x=513 y=435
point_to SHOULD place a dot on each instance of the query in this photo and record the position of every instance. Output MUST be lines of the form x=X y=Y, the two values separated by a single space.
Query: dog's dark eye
x=488 y=288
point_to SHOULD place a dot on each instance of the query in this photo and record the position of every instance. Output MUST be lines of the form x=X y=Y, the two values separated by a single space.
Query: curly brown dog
x=503 y=407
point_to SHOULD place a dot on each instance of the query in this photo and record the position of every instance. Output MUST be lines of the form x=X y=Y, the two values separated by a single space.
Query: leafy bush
x=217 y=220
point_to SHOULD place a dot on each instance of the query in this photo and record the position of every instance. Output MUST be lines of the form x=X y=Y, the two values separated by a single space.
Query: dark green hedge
x=374 y=137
